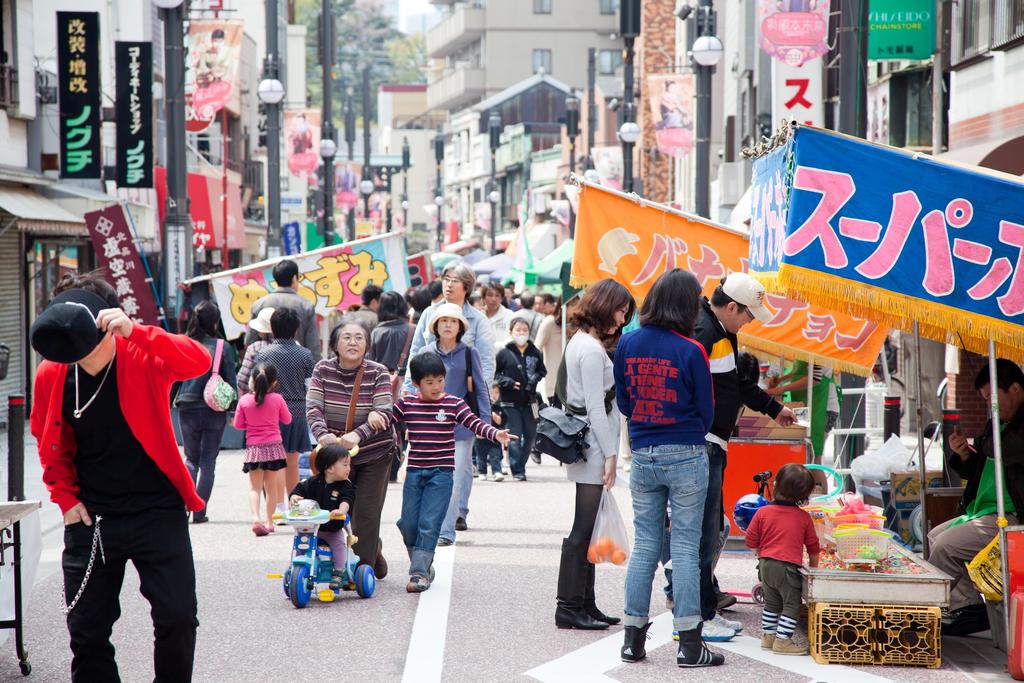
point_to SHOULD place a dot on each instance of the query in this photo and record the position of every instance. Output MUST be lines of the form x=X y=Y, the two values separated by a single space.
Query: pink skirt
x=264 y=453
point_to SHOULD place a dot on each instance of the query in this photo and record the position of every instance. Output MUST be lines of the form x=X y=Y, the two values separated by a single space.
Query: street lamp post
x=366 y=189
x=406 y=163
x=494 y=131
x=350 y=141
x=271 y=92
x=572 y=129
x=177 y=234
x=328 y=147
x=367 y=171
x=438 y=187
x=705 y=54
x=629 y=29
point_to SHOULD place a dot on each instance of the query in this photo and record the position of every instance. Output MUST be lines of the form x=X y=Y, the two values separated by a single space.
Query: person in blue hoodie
x=663 y=388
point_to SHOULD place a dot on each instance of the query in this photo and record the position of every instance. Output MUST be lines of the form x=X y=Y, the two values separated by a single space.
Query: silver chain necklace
x=78 y=411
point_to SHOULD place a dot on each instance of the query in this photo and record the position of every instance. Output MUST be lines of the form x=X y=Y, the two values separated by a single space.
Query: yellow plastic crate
x=893 y=635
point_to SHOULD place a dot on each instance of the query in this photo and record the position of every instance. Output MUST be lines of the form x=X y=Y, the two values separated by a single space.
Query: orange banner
x=635 y=242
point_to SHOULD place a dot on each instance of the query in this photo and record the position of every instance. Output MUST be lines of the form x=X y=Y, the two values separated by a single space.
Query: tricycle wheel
x=366 y=581
x=757 y=593
x=285 y=582
x=26 y=668
x=299 y=589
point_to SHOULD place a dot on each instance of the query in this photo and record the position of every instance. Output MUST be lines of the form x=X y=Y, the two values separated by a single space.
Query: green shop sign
x=901 y=29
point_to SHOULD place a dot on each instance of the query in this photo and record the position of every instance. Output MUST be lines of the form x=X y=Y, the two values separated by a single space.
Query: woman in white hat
x=464 y=377
x=261 y=326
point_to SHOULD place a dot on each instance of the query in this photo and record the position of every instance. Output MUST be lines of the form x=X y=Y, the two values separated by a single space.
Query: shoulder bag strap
x=350 y=418
x=216 y=357
x=405 y=350
x=469 y=372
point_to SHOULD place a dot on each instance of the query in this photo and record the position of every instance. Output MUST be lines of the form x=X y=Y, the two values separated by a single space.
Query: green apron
x=985 y=502
x=819 y=404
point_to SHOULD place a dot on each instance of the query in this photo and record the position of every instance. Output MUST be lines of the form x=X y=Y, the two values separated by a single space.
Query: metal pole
x=937 y=82
x=367 y=174
x=494 y=206
x=591 y=105
x=702 y=147
x=572 y=169
x=177 y=237
x=16 y=447
x=327 y=127
x=810 y=402
x=919 y=409
x=273 y=112
x=853 y=49
x=997 y=455
x=350 y=141
x=628 y=113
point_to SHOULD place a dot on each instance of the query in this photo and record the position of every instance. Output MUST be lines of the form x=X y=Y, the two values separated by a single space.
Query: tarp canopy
x=493 y=267
x=635 y=241
x=894 y=236
x=549 y=269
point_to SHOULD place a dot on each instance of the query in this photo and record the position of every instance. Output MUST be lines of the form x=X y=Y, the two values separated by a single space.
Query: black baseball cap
x=66 y=331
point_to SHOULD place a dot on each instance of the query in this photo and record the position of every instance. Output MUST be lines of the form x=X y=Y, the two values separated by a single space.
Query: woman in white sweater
x=590 y=393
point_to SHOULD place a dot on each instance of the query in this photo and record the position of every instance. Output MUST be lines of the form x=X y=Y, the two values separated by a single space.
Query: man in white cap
x=738 y=300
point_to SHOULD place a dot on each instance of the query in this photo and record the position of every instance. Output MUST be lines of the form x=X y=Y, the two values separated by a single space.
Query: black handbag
x=561 y=435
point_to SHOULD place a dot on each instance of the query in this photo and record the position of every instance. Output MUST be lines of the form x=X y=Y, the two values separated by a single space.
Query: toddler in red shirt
x=779 y=533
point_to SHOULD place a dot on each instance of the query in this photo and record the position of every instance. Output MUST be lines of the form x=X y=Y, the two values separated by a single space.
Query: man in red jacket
x=101 y=419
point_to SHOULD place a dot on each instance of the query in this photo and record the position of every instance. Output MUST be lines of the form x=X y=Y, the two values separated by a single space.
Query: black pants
x=711 y=532
x=158 y=544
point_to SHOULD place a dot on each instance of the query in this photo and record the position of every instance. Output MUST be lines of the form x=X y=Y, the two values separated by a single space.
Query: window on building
x=972 y=30
x=542 y=6
x=609 y=61
x=609 y=6
x=542 y=60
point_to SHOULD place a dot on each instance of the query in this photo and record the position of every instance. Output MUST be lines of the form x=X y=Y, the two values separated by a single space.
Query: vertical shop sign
x=134 y=73
x=78 y=65
x=116 y=252
x=798 y=93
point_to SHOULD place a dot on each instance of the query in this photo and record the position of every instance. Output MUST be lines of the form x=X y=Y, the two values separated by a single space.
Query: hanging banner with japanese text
x=893 y=236
x=302 y=133
x=331 y=278
x=78 y=74
x=634 y=244
x=421 y=269
x=798 y=93
x=794 y=31
x=291 y=237
x=347 y=175
x=211 y=71
x=671 y=97
x=117 y=254
x=134 y=78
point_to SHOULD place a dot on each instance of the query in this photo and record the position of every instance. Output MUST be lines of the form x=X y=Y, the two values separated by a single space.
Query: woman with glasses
x=344 y=392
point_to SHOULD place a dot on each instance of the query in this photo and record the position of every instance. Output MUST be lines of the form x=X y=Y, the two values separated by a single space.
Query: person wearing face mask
x=519 y=369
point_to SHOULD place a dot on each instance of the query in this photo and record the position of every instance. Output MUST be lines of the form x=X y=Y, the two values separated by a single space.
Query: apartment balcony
x=463 y=26
x=462 y=86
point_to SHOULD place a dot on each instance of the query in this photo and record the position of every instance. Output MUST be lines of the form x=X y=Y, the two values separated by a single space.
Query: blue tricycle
x=311 y=562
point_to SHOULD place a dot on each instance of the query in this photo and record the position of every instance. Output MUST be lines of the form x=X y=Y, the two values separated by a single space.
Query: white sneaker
x=498 y=476
x=716 y=632
x=481 y=476
x=729 y=623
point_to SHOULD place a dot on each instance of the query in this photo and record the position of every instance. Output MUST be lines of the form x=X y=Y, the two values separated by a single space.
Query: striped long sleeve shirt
x=431 y=426
x=328 y=398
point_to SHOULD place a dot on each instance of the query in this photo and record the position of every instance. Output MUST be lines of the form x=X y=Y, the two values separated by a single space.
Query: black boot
x=572 y=577
x=694 y=653
x=634 y=644
x=589 y=603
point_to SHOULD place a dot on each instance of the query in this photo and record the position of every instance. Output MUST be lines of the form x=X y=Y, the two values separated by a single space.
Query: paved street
x=488 y=617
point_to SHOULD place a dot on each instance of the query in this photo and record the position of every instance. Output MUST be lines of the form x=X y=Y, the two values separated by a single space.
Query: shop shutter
x=12 y=329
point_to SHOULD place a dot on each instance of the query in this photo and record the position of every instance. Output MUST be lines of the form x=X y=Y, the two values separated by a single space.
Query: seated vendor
x=957 y=541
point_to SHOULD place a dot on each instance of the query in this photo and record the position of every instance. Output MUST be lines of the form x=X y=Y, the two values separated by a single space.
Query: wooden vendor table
x=11 y=514
x=745 y=458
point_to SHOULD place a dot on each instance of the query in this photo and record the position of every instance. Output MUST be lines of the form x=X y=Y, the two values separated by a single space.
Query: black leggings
x=588 y=499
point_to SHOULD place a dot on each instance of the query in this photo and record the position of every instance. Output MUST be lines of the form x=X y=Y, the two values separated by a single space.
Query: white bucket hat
x=261 y=323
x=447 y=310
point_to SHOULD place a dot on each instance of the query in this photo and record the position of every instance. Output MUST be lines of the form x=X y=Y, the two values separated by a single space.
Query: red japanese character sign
x=116 y=253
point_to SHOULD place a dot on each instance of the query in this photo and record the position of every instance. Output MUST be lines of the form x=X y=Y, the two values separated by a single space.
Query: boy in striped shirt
x=430 y=419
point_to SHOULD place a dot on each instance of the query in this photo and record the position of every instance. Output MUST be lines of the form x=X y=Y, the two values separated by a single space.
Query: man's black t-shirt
x=115 y=475
x=328 y=496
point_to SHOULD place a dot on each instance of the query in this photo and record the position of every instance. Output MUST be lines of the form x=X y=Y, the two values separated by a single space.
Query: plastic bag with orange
x=609 y=543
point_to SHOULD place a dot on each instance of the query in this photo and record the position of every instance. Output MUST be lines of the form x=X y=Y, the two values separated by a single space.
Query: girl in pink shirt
x=260 y=414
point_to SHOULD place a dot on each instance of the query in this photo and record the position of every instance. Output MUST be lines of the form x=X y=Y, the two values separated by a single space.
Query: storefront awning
x=39 y=215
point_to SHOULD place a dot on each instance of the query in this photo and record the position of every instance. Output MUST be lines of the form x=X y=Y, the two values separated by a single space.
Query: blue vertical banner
x=292 y=238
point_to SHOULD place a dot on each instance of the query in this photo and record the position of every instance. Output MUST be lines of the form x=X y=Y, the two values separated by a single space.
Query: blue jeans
x=487 y=452
x=660 y=476
x=522 y=424
x=462 y=485
x=202 y=429
x=425 y=497
x=711 y=532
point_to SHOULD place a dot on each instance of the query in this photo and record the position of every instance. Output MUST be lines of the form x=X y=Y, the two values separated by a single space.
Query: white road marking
x=425 y=657
x=592 y=662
